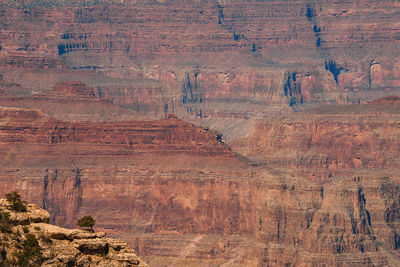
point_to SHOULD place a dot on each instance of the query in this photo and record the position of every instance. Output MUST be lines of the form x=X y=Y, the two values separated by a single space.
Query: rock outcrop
x=389 y=100
x=27 y=238
x=169 y=136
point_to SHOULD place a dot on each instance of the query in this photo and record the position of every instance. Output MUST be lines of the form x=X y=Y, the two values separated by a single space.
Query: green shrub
x=46 y=239
x=5 y=226
x=86 y=222
x=15 y=202
x=3 y=255
x=29 y=255
x=25 y=229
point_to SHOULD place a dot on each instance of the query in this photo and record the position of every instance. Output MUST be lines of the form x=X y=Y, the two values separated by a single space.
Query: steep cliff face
x=346 y=233
x=73 y=88
x=168 y=136
x=328 y=141
x=186 y=198
x=176 y=192
x=198 y=59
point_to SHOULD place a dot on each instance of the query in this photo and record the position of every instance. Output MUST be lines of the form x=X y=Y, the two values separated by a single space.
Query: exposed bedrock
x=186 y=197
x=244 y=60
x=51 y=245
x=317 y=188
x=328 y=141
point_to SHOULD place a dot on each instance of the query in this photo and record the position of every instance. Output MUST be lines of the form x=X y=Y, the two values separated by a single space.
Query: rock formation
x=389 y=100
x=72 y=88
x=28 y=238
x=178 y=195
x=87 y=89
x=71 y=101
x=212 y=62
x=328 y=141
x=170 y=136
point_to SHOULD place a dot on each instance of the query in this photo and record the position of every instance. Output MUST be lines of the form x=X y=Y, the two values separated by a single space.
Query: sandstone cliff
x=187 y=199
x=212 y=62
x=28 y=239
x=328 y=141
x=314 y=188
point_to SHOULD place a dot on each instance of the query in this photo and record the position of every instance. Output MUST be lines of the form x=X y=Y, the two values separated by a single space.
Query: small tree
x=86 y=222
x=15 y=202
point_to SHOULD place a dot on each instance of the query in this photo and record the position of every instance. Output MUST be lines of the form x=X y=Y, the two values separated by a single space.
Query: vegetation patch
x=5 y=226
x=29 y=255
x=15 y=202
x=86 y=222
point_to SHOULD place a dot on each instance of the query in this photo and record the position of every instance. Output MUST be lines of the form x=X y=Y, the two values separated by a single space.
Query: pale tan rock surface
x=60 y=246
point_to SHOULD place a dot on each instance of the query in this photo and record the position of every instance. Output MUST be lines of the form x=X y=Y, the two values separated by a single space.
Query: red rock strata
x=199 y=59
x=318 y=188
x=71 y=101
x=180 y=196
x=164 y=136
x=74 y=88
x=329 y=141
x=389 y=100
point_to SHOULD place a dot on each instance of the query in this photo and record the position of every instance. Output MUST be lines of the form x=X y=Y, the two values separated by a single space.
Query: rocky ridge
x=169 y=136
x=58 y=246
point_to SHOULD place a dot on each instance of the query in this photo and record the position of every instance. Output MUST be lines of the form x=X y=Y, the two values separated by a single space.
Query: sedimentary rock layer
x=323 y=142
x=188 y=199
x=206 y=61
x=69 y=101
x=175 y=191
x=164 y=136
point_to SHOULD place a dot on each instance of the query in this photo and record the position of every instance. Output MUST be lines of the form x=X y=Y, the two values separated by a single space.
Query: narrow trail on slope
x=187 y=250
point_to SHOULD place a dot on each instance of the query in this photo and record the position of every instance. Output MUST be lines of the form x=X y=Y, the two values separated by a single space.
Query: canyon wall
x=210 y=62
x=69 y=101
x=87 y=93
x=328 y=141
x=179 y=196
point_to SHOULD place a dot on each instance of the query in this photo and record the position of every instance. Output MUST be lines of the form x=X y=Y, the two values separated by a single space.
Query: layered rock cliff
x=169 y=136
x=187 y=199
x=210 y=62
x=69 y=101
x=324 y=142
x=175 y=191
